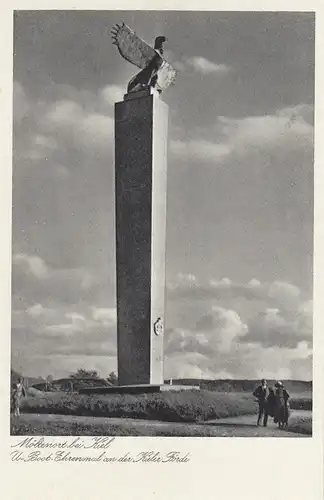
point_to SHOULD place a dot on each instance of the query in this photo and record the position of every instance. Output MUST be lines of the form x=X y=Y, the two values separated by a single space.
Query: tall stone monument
x=141 y=137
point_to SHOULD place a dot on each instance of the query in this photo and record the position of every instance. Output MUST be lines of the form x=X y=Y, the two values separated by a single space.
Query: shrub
x=32 y=392
x=301 y=403
x=183 y=406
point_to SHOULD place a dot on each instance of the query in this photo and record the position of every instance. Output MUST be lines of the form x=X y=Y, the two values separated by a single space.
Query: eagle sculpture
x=156 y=71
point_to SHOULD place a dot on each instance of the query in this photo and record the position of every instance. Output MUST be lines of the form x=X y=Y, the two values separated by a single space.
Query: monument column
x=141 y=131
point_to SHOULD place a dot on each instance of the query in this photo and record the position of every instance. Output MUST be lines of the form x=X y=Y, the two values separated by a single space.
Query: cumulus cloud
x=188 y=365
x=64 y=112
x=214 y=331
x=112 y=94
x=220 y=327
x=286 y=295
x=185 y=279
x=31 y=264
x=106 y=315
x=244 y=360
x=270 y=336
x=283 y=362
x=201 y=65
x=39 y=311
x=64 y=118
x=274 y=327
x=200 y=149
x=52 y=316
x=39 y=332
x=35 y=280
x=254 y=283
x=78 y=123
x=207 y=335
x=289 y=128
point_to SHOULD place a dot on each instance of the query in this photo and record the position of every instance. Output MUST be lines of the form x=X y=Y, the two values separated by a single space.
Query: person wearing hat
x=281 y=403
x=261 y=393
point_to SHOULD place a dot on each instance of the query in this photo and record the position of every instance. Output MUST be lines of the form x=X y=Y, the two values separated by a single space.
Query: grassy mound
x=303 y=425
x=301 y=402
x=184 y=406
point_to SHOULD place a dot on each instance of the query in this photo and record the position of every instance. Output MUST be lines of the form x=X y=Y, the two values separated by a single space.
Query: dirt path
x=235 y=426
x=243 y=426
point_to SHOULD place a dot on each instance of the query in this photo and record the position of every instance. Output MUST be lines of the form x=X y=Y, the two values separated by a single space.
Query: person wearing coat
x=269 y=406
x=281 y=413
x=261 y=393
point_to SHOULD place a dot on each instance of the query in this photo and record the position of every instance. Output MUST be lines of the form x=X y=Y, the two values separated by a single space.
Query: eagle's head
x=158 y=44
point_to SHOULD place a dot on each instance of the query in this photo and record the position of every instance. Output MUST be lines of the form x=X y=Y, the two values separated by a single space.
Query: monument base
x=138 y=389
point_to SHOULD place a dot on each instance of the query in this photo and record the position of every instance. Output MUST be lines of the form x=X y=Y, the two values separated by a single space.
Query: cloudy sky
x=240 y=192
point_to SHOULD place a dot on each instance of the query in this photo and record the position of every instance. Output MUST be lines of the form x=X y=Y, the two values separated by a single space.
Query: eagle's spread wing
x=132 y=47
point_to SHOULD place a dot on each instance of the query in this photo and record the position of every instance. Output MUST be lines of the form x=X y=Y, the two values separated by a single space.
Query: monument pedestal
x=141 y=131
x=138 y=389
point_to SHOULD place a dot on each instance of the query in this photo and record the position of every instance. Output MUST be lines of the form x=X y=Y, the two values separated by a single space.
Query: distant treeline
x=220 y=385
x=80 y=379
x=239 y=385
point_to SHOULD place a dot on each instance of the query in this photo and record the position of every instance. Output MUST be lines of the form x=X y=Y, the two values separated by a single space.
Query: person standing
x=18 y=393
x=281 y=405
x=269 y=406
x=262 y=393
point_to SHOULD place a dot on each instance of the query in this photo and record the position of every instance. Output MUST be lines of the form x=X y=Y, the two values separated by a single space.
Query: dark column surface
x=133 y=178
x=140 y=190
